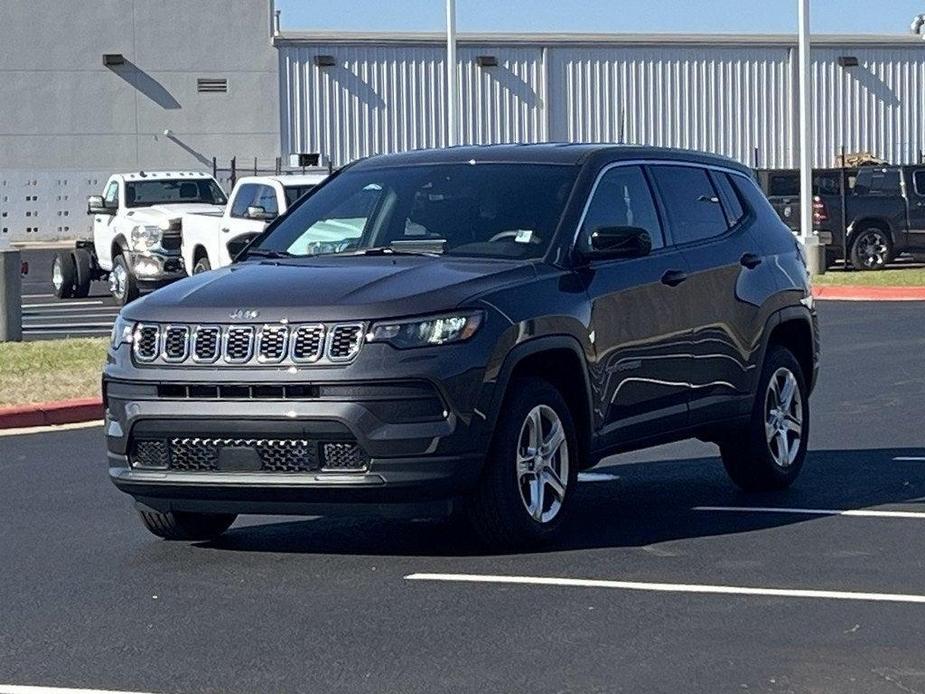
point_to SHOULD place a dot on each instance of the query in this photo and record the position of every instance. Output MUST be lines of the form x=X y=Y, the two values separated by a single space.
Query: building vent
x=211 y=85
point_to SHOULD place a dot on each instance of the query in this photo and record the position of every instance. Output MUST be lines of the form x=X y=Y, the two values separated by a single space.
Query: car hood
x=329 y=289
x=160 y=213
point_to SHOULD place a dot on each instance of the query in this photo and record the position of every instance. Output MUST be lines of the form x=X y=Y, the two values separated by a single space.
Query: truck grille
x=279 y=455
x=240 y=345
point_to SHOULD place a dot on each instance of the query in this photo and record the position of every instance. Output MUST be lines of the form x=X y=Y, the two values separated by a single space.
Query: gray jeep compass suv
x=468 y=328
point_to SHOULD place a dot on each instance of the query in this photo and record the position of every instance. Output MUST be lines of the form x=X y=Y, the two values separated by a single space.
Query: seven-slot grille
x=239 y=345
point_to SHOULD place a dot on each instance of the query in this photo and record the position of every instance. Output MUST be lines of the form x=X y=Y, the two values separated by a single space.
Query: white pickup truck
x=212 y=239
x=136 y=233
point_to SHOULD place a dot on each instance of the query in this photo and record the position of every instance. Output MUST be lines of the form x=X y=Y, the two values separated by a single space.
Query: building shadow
x=649 y=503
x=874 y=85
x=514 y=85
x=355 y=86
x=146 y=84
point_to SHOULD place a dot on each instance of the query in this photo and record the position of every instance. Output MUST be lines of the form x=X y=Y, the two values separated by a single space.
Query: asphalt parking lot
x=667 y=579
x=46 y=317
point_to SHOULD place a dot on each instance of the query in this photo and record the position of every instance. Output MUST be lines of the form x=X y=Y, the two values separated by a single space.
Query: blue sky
x=751 y=16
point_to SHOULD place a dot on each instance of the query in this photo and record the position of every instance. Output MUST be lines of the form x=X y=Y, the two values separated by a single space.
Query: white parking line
x=909 y=459
x=92 y=302
x=671 y=587
x=67 y=326
x=28 y=689
x=51 y=428
x=597 y=477
x=856 y=513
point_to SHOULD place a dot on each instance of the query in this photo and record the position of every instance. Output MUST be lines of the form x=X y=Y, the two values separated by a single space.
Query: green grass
x=905 y=277
x=33 y=372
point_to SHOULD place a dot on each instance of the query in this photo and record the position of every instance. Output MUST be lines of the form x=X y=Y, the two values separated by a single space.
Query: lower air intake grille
x=150 y=453
x=344 y=455
x=345 y=342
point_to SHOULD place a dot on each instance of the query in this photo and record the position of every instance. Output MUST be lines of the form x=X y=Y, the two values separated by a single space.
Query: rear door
x=916 y=196
x=639 y=316
x=709 y=223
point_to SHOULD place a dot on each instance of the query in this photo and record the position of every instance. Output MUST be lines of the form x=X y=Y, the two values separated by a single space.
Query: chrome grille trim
x=272 y=343
x=142 y=347
x=231 y=345
x=175 y=344
x=211 y=336
x=297 y=347
x=341 y=346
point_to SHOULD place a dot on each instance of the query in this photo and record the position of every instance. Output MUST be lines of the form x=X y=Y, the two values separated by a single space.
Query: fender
x=784 y=315
x=516 y=356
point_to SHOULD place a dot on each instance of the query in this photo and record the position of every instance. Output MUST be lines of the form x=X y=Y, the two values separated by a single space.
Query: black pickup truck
x=884 y=206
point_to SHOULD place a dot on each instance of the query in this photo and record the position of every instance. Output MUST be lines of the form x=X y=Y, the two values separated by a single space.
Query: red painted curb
x=45 y=413
x=839 y=293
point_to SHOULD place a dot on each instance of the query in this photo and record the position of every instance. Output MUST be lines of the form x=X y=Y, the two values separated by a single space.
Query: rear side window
x=691 y=203
x=753 y=197
x=918 y=179
x=873 y=181
x=784 y=184
x=622 y=198
x=735 y=213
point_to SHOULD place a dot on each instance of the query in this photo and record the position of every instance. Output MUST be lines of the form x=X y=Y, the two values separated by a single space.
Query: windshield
x=293 y=193
x=486 y=210
x=167 y=192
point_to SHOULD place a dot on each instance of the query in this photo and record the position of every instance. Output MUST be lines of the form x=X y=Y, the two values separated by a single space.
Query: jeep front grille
x=248 y=345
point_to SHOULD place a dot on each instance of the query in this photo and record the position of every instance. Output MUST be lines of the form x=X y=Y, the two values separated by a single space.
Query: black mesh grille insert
x=344 y=455
x=176 y=342
x=307 y=343
x=272 y=348
x=147 y=340
x=276 y=455
x=345 y=342
x=239 y=344
x=150 y=453
x=206 y=343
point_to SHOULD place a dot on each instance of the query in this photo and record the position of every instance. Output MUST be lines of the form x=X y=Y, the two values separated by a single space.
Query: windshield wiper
x=391 y=250
x=266 y=253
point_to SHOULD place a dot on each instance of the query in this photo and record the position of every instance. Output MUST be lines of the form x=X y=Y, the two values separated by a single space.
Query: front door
x=103 y=226
x=638 y=318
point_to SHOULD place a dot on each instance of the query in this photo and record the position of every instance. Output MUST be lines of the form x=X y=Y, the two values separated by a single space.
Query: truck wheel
x=202 y=265
x=871 y=249
x=179 y=525
x=122 y=282
x=63 y=275
x=531 y=472
x=83 y=264
x=768 y=453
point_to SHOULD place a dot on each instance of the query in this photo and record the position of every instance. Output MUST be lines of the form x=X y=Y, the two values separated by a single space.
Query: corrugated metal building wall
x=730 y=95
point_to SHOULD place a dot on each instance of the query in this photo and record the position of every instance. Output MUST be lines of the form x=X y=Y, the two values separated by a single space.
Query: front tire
x=529 y=478
x=202 y=265
x=122 y=282
x=768 y=453
x=186 y=527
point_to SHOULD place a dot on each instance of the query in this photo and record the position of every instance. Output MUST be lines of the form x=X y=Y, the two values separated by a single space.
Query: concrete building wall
x=735 y=96
x=67 y=121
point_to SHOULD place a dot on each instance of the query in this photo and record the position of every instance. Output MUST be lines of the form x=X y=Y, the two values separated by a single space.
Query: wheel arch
x=119 y=246
x=793 y=328
x=542 y=358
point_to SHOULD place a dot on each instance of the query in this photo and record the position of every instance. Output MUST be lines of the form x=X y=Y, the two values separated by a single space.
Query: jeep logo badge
x=244 y=314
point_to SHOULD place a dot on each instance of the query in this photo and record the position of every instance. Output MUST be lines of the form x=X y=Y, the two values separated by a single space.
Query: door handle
x=674 y=277
x=750 y=260
x=226 y=229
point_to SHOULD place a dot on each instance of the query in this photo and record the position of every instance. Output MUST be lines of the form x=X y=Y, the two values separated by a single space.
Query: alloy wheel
x=784 y=417
x=542 y=463
x=117 y=280
x=872 y=249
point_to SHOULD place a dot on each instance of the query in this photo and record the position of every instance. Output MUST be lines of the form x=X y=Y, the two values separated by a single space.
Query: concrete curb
x=47 y=413
x=845 y=293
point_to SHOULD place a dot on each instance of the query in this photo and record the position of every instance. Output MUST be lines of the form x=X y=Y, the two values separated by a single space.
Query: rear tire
x=183 y=526
x=122 y=282
x=530 y=475
x=871 y=249
x=768 y=453
x=83 y=264
x=63 y=275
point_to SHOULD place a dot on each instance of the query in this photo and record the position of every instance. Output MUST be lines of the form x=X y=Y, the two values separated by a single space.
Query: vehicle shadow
x=646 y=504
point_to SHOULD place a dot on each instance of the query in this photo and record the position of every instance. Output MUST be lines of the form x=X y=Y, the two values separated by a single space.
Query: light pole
x=814 y=253
x=452 y=83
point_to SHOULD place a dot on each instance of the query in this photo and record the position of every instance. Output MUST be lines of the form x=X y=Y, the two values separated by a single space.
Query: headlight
x=423 y=332
x=121 y=332
x=146 y=237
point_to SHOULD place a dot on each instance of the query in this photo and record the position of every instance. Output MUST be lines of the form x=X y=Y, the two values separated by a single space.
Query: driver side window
x=111 y=196
x=622 y=199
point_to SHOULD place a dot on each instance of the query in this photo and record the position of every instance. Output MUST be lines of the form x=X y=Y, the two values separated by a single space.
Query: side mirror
x=257 y=212
x=96 y=205
x=620 y=242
